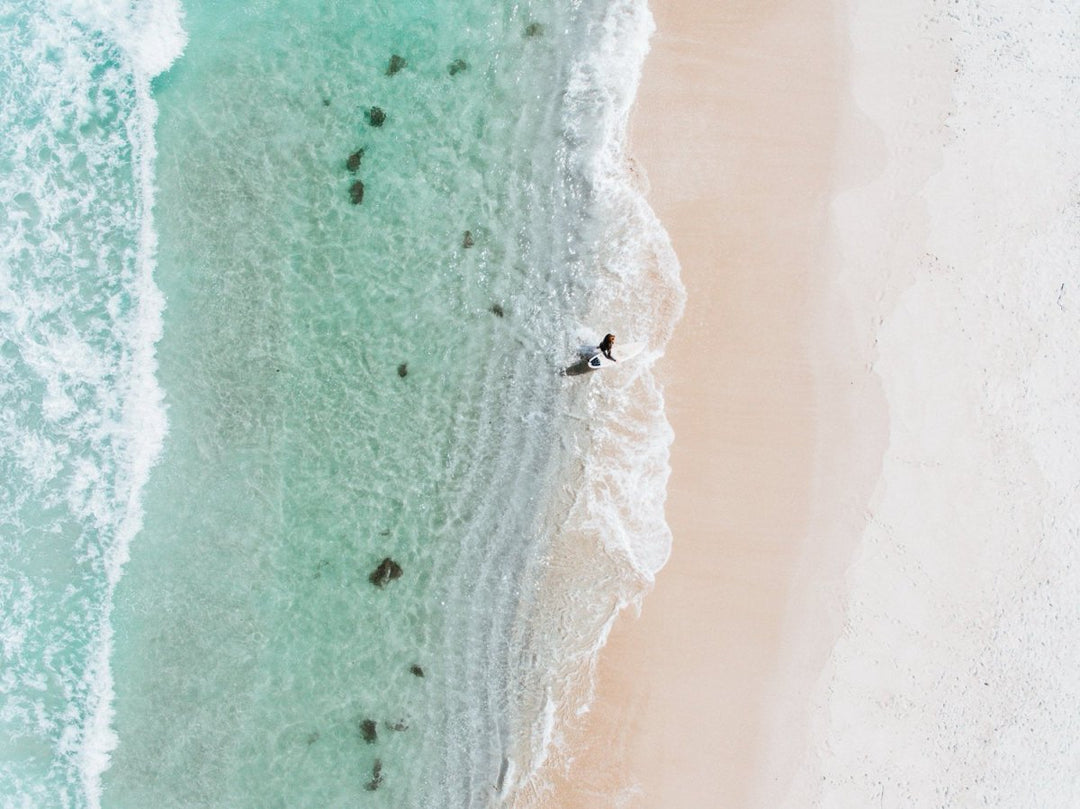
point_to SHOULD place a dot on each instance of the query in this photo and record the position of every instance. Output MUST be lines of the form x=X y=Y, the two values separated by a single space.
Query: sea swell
x=79 y=316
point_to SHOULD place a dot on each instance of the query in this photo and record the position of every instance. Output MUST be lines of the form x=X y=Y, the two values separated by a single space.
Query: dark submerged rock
x=416 y=670
x=534 y=29
x=312 y=738
x=457 y=66
x=403 y=370
x=356 y=192
x=386 y=572
x=375 y=116
x=396 y=64
x=467 y=241
x=376 y=777
x=326 y=102
x=496 y=310
x=368 y=730
x=353 y=163
x=399 y=725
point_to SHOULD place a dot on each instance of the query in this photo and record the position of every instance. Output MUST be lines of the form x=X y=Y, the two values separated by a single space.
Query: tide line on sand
x=760 y=375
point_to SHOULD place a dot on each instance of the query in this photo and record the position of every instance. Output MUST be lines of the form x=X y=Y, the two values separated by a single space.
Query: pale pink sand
x=736 y=126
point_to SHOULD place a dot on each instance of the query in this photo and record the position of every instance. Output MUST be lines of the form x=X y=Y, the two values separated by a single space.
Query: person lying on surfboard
x=606 y=346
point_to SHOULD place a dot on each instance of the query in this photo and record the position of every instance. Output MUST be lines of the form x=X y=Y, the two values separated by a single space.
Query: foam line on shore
x=609 y=533
x=151 y=36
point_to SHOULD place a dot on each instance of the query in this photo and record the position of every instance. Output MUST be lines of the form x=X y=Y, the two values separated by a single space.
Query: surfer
x=606 y=346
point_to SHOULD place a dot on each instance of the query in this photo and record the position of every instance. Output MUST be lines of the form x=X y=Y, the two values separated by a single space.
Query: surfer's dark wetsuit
x=606 y=346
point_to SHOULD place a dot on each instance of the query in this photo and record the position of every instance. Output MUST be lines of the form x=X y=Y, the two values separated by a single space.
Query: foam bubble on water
x=612 y=536
x=41 y=457
x=151 y=32
x=140 y=433
x=82 y=316
x=607 y=81
x=154 y=37
x=639 y=296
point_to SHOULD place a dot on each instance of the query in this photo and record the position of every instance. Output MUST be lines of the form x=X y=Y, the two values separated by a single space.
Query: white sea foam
x=612 y=536
x=82 y=316
x=139 y=434
x=639 y=296
x=151 y=32
x=154 y=39
x=952 y=683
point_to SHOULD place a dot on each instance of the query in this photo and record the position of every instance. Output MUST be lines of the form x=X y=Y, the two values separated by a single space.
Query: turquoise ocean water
x=229 y=392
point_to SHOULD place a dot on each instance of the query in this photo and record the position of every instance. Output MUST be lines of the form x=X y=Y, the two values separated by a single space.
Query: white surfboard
x=621 y=352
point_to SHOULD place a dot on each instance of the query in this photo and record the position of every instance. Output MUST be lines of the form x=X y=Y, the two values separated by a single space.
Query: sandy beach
x=736 y=126
x=871 y=594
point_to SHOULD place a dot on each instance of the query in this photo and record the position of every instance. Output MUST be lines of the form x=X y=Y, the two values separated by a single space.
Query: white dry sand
x=954 y=680
x=874 y=593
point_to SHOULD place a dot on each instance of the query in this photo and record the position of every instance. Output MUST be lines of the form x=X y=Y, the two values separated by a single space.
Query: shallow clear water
x=299 y=456
x=343 y=383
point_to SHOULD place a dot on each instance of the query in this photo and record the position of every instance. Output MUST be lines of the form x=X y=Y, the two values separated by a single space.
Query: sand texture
x=871 y=596
x=737 y=126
